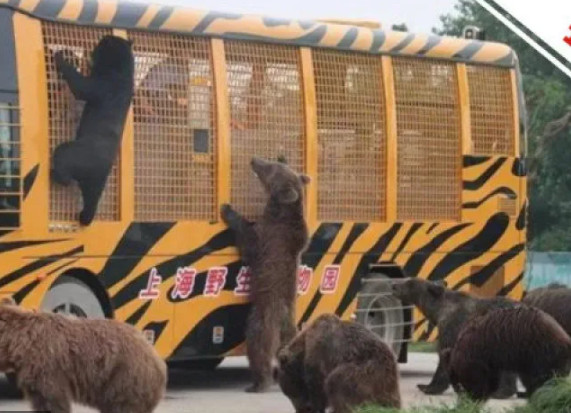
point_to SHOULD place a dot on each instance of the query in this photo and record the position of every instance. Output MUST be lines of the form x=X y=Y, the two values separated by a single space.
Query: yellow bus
x=414 y=143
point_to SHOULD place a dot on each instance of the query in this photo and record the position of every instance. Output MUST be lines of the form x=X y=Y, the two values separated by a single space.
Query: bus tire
x=381 y=312
x=70 y=296
x=206 y=364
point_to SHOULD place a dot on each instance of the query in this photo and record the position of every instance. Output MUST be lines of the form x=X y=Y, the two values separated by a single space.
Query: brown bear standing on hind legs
x=524 y=340
x=449 y=311
x=338 y=364
x=103 y=364
x=555 y=300
x=272 y=248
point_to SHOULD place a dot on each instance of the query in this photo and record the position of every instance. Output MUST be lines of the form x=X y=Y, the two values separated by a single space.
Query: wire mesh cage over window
x=64 y=115
x=266 y=97
x=428 y=139
x=491 y=110
x=175 y=134
x=351 y=136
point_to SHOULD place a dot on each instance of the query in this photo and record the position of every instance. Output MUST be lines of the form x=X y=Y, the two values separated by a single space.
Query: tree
x=548 y=98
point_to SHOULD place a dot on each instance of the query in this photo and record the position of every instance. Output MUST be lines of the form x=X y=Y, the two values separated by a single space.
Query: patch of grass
x=462 y=406
x=554 y=397
x=422 y=347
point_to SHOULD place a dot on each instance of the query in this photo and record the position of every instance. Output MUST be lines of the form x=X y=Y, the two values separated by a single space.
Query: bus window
x=428 y=139
x=351 y=136
x=266 y=105
x=175 y=135
x=491 y=110
x=64 y=115
x=9 y=167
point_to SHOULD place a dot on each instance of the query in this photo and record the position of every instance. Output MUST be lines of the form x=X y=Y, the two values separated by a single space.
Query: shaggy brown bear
x=449 y=311
x=555 y=300
x=338 y=364
x=107 y=93
x=272 y=248
x=104 y=364
x=524 y=340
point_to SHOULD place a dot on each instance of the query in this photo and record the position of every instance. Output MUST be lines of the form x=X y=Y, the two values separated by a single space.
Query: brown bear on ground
x=272 y=248
x=103 y=364
x=338 y=364
x=524 y=340
x=555 y=300
x=449 y=311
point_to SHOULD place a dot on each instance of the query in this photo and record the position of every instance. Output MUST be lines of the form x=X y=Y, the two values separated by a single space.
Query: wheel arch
x=90 y=279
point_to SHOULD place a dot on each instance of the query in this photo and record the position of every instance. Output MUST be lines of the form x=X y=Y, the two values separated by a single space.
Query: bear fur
x=524 y=340
x=339 y=365
x=449 y=310
x=272 y=248
x=56 y=359
x=107 y=93
x=554 y=300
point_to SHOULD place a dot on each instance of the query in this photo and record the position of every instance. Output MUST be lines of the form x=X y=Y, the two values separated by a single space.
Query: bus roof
x=140 y=16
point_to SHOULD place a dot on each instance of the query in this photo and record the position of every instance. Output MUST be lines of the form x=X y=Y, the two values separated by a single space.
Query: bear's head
x=113 y=55
x=280 y=182
x=426 y=295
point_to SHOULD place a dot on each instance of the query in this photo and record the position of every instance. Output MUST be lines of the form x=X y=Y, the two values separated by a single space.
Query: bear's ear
x=304 y=179
x=7 y=301
x=288 y=196
x=436 y=289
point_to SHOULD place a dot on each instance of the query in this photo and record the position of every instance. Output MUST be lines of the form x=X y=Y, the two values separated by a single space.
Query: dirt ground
x=222 y=390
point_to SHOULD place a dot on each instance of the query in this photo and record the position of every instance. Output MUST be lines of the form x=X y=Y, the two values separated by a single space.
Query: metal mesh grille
x=10 y=173
x=491 y=110
x=265 y=90
x=428 y=142
x=175 y=136
x=351 y=136
x=64 y=116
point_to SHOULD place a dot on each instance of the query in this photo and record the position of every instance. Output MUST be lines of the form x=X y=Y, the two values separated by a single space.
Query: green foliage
x=548 y=97
x=422 y=347
x=554 y=397
x=462 y=406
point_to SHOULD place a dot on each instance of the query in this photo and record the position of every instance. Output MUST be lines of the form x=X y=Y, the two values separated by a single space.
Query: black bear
x=449 y=311
x=107 y=93
x=524 y=340
x=339 y=365
x=272 y=248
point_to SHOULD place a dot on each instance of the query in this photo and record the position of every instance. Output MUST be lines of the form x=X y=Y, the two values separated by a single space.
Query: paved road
x=221 y=391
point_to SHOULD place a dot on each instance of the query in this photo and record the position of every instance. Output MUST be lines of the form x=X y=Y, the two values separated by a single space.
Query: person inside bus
x=163 y=93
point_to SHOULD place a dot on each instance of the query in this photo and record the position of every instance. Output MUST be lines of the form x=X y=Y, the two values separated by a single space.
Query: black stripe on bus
x=349 y=38
x=379 y=38
x=469 y=160
x=470 y=50
x=372 y=256
x=414 y=227
x=506 y=289
x=501 y=190
x=161 y=17
x=483 y=178
x=131 y=249
x=356 y=231
x=49 y=9
x=430 y=43
x=475 y=247
x=403 y=43
x=416 y=261
x=128 y=14
x=36 y=265
x=30 y=179
x=88 y=12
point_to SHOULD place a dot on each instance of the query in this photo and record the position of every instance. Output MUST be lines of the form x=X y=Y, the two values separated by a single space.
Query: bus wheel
x=381 y=312
x=198 y=364
x=71 y=296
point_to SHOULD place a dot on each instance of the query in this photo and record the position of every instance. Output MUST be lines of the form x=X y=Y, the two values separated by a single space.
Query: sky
x=419 y=15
